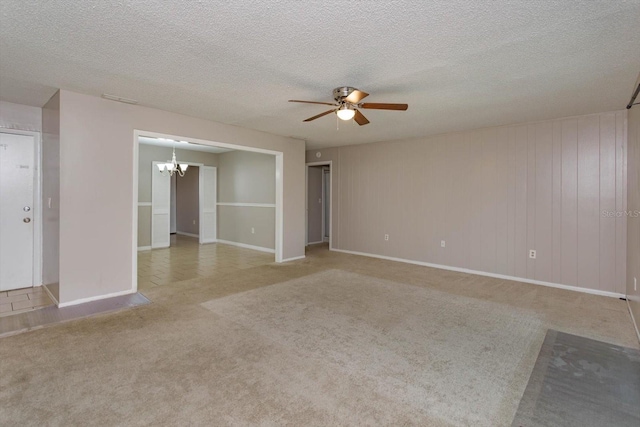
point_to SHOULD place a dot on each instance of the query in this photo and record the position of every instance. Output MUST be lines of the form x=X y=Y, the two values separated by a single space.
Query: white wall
x=96 y=191
x=492 y=194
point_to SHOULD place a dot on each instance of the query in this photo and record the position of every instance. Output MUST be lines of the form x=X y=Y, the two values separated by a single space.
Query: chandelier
x=172 y=166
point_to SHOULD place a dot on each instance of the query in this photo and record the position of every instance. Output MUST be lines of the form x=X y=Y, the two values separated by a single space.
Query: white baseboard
x=484 y=273
x=314 y=243
x=633 y=319
x=244 y=245
x=54 y=299
x=294 y=258
x=99 y=297
x=144 y=248
x=182 y=233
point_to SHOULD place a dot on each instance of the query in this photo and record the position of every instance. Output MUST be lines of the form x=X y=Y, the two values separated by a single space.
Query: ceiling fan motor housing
x=340 y=93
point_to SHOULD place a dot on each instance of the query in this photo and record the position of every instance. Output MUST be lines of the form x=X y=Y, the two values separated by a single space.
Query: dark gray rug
x=581 y=382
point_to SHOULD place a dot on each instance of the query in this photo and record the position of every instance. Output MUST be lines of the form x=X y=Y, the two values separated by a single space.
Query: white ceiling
x=182 y=145
x=458 y=64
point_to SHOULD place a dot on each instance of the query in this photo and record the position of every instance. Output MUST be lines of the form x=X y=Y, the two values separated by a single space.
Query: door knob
x=27 y=220
x=26 y=208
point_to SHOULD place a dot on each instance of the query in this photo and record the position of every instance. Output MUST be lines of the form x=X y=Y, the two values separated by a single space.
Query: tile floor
x=22 y=300
x=186 y=259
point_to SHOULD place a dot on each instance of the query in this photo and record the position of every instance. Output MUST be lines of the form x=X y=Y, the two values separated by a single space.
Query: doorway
x=233 y=222
x=326 y=203
x=319 y=203
x=183 y=205
x=20 y=213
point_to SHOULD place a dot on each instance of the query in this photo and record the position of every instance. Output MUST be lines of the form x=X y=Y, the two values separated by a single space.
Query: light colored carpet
x=385 y=353
x=462 y=338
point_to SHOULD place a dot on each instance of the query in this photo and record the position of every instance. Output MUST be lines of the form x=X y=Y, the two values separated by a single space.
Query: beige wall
x=235 y=222
x=51 y=191
x=144 y=227
x=188 y=202
x=20 y=117
x=314 y=209
x=633 y=223
x=492 y=194
x=96 y=192
x=245 y=177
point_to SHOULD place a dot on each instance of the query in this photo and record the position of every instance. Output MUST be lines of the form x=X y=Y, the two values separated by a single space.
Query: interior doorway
x=319 y=203
x=239 y=207
x=326 y=203
x=183 y=204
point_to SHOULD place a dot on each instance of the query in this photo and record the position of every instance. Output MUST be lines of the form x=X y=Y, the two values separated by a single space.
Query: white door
x=17 y=158
x=160 y=208
x=208 y=204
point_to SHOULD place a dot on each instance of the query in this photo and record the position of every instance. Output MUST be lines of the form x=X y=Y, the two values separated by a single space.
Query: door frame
x=198 y=165
x=37 y=200
x=200 y=204
x=279 y=157
x=153 y=166
x=306 y=196
x=200 y=196
x=324 y=201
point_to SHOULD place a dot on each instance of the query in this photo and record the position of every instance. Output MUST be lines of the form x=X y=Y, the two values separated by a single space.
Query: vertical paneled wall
x=633 y=239
x=492 y=195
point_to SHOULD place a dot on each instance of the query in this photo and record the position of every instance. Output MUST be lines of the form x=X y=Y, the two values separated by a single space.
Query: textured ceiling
x=458 y=64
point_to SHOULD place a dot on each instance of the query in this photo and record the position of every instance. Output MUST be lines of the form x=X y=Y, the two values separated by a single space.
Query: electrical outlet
x=319 y=201
x=532 y=253
x=194 y=222
x=443 y=243
x=253 y=230
x=386 y=237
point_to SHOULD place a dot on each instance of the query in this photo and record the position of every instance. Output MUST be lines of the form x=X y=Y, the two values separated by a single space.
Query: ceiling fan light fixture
x=345 y=112
x=349 y=102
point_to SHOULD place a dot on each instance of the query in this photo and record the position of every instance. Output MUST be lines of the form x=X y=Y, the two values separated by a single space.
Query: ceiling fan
x=348 y=100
